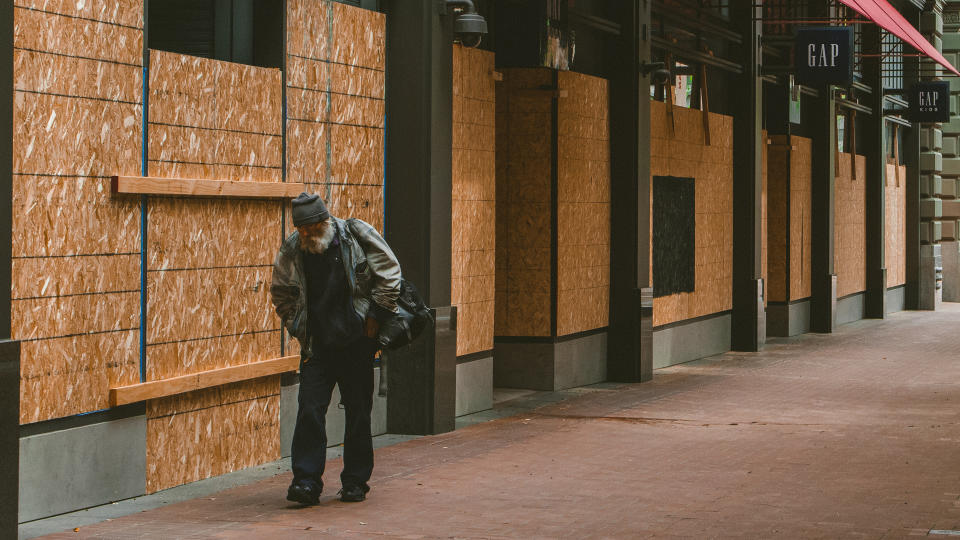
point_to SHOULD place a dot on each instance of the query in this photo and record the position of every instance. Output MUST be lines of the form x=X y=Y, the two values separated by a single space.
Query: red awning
x=888 y=18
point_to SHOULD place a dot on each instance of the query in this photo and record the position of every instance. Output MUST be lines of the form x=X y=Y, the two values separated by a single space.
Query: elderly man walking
x=334 y=281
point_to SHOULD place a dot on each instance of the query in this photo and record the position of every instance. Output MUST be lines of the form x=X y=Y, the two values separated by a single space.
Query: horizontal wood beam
x=142 y=185
x=197 y=381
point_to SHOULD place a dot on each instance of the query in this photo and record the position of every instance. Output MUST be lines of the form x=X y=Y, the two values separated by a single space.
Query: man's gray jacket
x=373 y=276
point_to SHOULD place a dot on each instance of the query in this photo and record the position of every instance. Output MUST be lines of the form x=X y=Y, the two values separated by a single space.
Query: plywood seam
x=331 y=123
x=221 y=336
x=77 y=57
x=334 y=62
x=28 y=8
x=208 y=407
x=78 y=334
x=335 y=93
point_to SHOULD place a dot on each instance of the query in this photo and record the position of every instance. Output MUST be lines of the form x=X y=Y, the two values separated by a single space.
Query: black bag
x=411 y=318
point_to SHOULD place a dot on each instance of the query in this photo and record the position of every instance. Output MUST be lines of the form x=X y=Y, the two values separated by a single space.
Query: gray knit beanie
x=308 y=209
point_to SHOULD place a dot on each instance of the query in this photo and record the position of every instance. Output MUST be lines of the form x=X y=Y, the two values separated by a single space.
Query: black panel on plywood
x=674 y=235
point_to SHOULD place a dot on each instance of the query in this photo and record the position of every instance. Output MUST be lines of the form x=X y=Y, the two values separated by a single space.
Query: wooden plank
x=204 y=188
x=134 y=393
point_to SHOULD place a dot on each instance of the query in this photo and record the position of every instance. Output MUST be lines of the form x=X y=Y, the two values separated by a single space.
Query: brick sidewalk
x=849 y=435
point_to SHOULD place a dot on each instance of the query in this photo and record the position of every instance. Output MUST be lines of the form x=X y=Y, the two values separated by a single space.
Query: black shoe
x=303 y=494
x=354 y=493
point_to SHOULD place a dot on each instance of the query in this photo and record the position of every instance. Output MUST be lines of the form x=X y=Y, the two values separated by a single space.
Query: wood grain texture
x=203 y=188
x=684 y=155
x=77 y=119
x=790 y=223
x=850 y=228
x=583 y=204
x=134 y=393
x=895 y=194
x=474 y=199
x=210 y=432
x=335 y=106
x=523 y=204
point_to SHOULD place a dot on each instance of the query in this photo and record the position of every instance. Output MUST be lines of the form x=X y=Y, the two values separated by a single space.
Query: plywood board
x=120 y=12
x=62 y=135
x=71 y=36
x=212 y=432
x=684 y=155
x=801 y=217
x=524 y=204
x=77 y=120
x=850 y=244
x=66 y=376
x=895 y=217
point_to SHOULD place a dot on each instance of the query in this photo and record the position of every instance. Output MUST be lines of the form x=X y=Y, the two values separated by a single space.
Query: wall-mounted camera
x=658 y=72
x=469 y=27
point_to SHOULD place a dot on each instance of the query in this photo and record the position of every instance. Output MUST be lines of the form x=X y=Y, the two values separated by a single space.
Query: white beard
x=317 y=244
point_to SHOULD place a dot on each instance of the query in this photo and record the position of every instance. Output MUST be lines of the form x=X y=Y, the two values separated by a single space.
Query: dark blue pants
x=350 y=368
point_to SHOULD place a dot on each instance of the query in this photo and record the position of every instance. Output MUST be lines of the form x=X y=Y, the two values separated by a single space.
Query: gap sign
x=930 y=101
x=824 y=56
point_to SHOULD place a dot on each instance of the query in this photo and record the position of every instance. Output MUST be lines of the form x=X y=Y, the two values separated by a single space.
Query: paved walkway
x=851 y=435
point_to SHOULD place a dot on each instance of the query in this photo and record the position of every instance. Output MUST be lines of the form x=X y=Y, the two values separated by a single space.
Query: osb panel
x=70 y=216
x=764 y=226
x=67 y=276
x=70 y=36
x=895 y=221
x=850 y=227
x=356 y=155
x=187 y=145
x=789 y=202
x=199 y=92
x=778 y=200
x=801 y=218
x=66 y=376
x=192 y=233
x=685 y=155
x=76 y=267
x=123 y=12
x=307 y=27
x=58 y=135
x=523 y=204
x=186 y=357
x=68 y=315
x=359 y=36
x=193 y=304
x=54 y=74
x=335 y=107
x=212 y=432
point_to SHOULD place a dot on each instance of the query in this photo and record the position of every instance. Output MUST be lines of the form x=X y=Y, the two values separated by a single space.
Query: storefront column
x=873 y=126
x=749 y=323
x=421 y=396
x=630 y=349
x=9 y=350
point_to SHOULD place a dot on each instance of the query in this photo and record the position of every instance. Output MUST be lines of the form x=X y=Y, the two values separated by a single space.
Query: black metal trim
x=473 y=357
x=82 y=420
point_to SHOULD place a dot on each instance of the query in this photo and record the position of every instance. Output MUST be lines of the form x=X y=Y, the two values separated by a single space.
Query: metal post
x=630 y=349
x=873 y=127
x=749 y=326
x=418 y=191
x=9 y=349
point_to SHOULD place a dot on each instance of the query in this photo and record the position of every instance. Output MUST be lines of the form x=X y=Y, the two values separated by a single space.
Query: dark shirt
x=333 y=321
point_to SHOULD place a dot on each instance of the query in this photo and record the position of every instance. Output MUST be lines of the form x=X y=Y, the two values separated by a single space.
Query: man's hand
x=371 y=327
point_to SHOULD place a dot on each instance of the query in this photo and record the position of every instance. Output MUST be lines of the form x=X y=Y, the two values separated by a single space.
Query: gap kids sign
x=824 y=56
x=930 y=101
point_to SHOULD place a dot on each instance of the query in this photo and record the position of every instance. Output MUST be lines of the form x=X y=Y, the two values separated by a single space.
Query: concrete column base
x=950 y=253
x=931 y=277
x=786 y=319
x=550 y=365
x=9 y=436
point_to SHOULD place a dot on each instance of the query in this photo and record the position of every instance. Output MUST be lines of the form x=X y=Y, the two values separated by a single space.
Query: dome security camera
x=469 y=27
